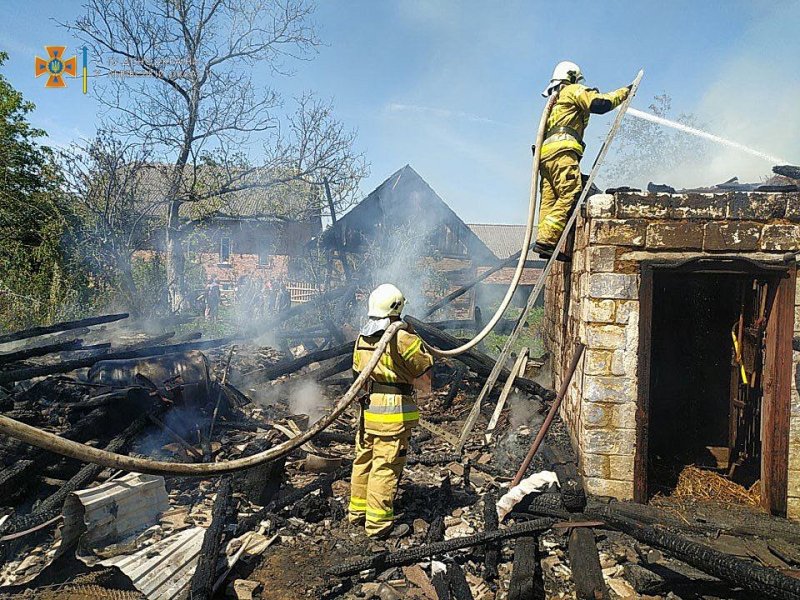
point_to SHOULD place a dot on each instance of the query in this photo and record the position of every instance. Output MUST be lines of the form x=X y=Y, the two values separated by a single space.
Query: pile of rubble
x=279 y=530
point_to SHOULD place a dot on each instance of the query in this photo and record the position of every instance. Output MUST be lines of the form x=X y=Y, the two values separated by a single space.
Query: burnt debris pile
x=279 y=530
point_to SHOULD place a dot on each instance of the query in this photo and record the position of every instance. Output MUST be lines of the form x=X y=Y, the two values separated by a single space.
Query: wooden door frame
x=776 y=402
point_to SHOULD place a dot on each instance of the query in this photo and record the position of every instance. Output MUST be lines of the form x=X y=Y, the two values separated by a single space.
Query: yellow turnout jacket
x=570 y=116
x=402 y=362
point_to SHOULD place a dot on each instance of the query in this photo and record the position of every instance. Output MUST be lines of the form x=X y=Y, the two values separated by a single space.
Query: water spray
x=704 y=134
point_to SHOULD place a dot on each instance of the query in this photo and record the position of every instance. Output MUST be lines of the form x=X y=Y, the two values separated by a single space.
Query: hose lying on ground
x=54 y=443
x=523 y=257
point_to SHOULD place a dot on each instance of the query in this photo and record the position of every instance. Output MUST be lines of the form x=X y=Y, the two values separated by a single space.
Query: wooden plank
x=526 y=573
x=776 y=403
x=585 y=563
x=65 y=326
x=501 y=402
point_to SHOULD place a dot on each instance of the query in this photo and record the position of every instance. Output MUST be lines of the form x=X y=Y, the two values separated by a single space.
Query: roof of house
x=406 y=200
x=502 y=239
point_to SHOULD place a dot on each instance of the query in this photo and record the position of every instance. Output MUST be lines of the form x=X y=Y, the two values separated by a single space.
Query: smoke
x=524 y=412
x=750 y=97
x=306 y=398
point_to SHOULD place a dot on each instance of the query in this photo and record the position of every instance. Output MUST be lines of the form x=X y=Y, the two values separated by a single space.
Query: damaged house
x=403 y=228
x=256 y=235
x=687 y=305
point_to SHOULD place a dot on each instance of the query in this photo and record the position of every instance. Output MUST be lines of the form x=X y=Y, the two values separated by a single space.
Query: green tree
x=35 y=272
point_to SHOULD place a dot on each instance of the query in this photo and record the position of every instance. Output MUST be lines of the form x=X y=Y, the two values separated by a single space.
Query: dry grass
x=699 y=484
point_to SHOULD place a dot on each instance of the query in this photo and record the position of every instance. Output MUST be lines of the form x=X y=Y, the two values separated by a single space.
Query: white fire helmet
x=565 y=72
x=386 y=301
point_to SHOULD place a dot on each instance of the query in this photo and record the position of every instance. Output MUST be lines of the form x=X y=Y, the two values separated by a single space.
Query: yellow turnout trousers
x=561 y=186
x=377 y=468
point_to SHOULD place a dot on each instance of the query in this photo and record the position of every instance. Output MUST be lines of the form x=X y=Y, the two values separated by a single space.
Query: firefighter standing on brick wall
x=388 y=418
x=562 y=149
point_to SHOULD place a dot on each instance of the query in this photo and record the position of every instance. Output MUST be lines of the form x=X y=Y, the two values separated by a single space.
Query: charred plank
x=526 y=573
x=80 y=363
x=63 y=326
x=10 y=357
x=413 y=555
x=202 y=583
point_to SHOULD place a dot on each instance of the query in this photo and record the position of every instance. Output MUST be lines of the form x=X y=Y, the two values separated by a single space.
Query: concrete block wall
x=613 y=235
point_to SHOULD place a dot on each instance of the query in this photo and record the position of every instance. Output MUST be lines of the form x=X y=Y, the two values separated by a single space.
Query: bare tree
x=115 y=193
x=179 y=76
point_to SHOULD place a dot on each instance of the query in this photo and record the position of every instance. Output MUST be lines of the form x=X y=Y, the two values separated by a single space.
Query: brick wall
x=595 y=300
x=238 y=265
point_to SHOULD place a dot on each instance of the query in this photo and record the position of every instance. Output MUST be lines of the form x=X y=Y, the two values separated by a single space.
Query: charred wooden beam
x=585 y=564
x=789 y=171
x=477 y=361
x=64 y=326
x=118 y=397
x=758 y=580
x=491 y=522
x=457 y=581
x=587 y=574
x=10 y=357
x=336 y=368
x=761 y=581
x=441 y=586
x=260 y=484
x=526 y=572
x=80 y=363
x=290 y=366
x=504 y=326
x=469 y=285
x=17 y=478
x=282 y=501
x=455 y=385
x=202 y=582
x=796 y=344
x=57 y=338
x=415 y=554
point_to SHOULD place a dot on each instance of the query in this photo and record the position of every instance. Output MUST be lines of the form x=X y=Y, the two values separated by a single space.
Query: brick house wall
x=595 y=300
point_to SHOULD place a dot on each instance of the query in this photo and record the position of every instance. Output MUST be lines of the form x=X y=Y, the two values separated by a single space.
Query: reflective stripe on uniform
x=404 y=406
x=378 y=515
x=388 y=374
x=554 y=223
x=400 y=417
x=358 y=505
x=412 y=349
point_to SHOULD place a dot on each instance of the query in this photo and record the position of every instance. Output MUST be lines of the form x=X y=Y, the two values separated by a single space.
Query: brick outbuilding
x=659 y=287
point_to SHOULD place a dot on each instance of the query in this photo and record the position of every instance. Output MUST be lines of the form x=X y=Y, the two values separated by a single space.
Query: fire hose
x=54 y=443
x=523 y=256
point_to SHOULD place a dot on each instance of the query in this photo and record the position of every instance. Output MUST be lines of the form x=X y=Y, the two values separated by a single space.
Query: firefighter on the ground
x=388 y=417
x=562 y=149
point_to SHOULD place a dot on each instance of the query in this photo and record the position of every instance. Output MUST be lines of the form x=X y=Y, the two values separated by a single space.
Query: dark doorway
x=710 y=336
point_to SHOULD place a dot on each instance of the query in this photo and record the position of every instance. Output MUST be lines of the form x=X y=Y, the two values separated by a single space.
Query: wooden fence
x=302 y=292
